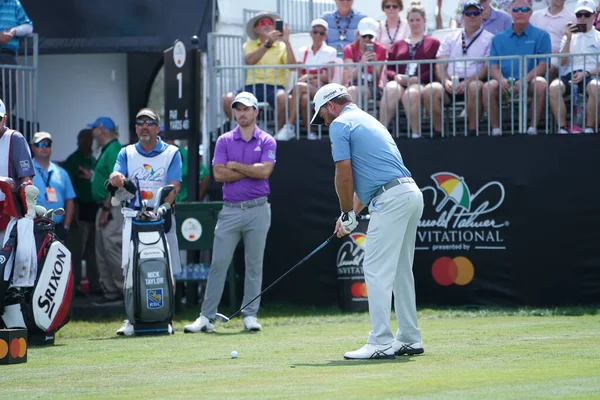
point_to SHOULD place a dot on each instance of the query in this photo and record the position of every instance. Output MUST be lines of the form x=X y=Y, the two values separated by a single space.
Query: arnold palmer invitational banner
x=508 y=221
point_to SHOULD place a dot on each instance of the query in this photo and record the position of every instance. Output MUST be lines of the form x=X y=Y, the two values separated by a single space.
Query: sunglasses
x=521 y=9
x=367 y=36
x=41 y=145
x=390 y=6
x=472 y=13
x=322 y=33
x=583 y=15
x=264 y=22
x=149 y=122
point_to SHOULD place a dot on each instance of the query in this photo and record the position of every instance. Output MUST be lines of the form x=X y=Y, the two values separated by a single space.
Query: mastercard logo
x=457 y=270
x=147 y=195
x=359 y=289
x=17 y=348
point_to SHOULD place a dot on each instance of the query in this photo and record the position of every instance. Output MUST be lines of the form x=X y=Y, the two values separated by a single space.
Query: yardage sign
x=178 y=92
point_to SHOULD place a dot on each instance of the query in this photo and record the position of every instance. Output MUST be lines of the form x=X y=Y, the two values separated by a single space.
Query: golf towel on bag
x=148 y=277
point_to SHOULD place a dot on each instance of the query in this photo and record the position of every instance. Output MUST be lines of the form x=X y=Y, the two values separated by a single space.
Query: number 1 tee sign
x=178 y=92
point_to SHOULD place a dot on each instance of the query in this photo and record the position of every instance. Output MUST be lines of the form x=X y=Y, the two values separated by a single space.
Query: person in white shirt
x=580 y=71
x=553 y=19
x=394 y=27
x=310 y=79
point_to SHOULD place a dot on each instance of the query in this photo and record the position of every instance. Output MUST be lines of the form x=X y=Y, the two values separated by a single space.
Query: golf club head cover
x=31 y=193
x=125 y=193
x=349 y=222
x=10 y=208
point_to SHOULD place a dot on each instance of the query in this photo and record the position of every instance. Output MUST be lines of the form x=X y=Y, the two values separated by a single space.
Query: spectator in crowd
x=54 y=184
x=408 y=79
x=266 y=46
x=597 y=20
x=580 y=71
x=244 y=160
x=203 y=171
x=109 y=220
x=14 y=23
x=343 y=23
x=394 y=27
x=553 y=19
x=81 y=240
x=17 y=163
x=461 y=80
x=522 y=39
x=495 y=16
x=311 y=79
x=363 y=50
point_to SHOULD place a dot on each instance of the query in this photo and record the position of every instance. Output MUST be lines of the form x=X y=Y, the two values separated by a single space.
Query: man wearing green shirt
x=80 y=166
x=109 y=220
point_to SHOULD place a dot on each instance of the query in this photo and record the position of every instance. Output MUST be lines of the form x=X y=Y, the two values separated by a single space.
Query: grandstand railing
x=300 y=13
x=513 y=108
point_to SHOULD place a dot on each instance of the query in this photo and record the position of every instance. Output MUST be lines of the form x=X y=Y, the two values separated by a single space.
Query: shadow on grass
x=355 y=363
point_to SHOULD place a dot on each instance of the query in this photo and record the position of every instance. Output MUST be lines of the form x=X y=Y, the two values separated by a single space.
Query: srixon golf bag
x=36 y=296
x=149 y=297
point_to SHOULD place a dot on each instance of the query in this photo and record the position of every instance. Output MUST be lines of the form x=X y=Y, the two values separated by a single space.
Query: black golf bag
x=45 y=307
x=149 y=292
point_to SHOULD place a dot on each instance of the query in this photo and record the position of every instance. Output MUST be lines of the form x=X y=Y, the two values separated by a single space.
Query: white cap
x=367 y=26
x=319 y=22
x=585 y=5
x=246 y=98
x=323 y=95
x=2 y=109
x=39 y=136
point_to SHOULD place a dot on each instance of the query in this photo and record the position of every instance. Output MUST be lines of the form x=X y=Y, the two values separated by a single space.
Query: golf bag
x=149 y=293
x=44 y=305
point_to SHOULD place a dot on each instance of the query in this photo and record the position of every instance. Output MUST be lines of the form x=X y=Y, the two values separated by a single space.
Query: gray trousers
x=251 y=224
x=388 y=264
x=108 y=253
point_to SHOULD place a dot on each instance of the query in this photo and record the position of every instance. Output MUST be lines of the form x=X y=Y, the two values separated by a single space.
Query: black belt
x=246 y=204
x=4 y=50
x=392 y=183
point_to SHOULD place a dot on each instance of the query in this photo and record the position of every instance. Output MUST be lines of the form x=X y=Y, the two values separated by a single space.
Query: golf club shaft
x=289 y=271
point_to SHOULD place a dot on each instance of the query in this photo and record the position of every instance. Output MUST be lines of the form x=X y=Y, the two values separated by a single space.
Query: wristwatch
x=267 y=44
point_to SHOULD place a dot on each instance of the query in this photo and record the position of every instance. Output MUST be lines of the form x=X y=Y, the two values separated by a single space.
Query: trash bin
x=352 y=288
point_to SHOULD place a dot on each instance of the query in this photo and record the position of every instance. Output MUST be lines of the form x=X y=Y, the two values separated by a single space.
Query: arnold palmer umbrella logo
x=459 y=217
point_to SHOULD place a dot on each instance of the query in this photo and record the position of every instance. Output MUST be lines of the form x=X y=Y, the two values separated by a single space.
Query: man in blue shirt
x=369 y=170
x=343 y=24
x=150 y=164
x=53 y=182
x=521 y=39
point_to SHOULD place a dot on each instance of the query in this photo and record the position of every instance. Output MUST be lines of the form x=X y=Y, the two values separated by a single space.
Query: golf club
x=222 y=318
x=49 y=213
x=40 y=211
x=59 y=211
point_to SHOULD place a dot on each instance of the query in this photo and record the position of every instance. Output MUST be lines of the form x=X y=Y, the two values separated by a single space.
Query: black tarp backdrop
x=117 y=26
x=538 y=246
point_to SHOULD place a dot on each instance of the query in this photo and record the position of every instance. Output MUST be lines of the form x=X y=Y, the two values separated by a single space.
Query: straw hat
x=250 y=25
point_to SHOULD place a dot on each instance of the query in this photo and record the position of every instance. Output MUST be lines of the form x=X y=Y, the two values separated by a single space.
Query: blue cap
x=472 y=3
x=106 y=123
x=246 y=98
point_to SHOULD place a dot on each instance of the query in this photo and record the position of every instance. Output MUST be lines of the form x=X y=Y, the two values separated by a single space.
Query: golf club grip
x=289 y=271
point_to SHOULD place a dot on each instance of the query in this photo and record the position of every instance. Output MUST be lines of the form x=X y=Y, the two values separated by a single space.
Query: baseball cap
x=2 y=109
x=472 y=3
x=39 y=136
x=367 y=26
x=148 y=112
x=319 y=22
x=585 y=5
x=106 y=123
x=323 y=95
x=246 y=98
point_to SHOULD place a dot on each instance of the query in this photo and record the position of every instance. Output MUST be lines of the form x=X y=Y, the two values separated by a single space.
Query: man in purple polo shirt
x=494 y=19
x=244 y=159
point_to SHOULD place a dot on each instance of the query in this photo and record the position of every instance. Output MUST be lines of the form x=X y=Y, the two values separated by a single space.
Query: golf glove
x=348 y=222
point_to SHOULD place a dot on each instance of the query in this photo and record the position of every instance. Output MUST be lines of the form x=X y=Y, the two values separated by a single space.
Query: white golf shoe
x=251 y=324
x=371 y=352
x=201 y=324
x=409 y=349
x=126 y=329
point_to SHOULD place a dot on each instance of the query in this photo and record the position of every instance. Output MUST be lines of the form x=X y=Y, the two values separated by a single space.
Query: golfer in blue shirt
x=369 y=171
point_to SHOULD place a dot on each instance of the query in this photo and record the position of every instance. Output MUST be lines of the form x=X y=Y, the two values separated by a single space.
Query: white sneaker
x=496 y=132
x=563 y=131
x=201 y=324
x=531 y=131
x=312 y=136
x=170 y=329
x=286 y=133
x=371 y=352
x=251 y=324
x=126 y=329
x=409 y=349
x=588 y=130
x=415 y=135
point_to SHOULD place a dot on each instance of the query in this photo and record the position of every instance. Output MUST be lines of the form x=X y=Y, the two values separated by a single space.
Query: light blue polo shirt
x=58 y=179
x=174 y=171
x=507 y=43
x=376 y=160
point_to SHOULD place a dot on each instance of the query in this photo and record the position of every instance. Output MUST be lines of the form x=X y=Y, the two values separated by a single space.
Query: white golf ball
x=234 y=354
